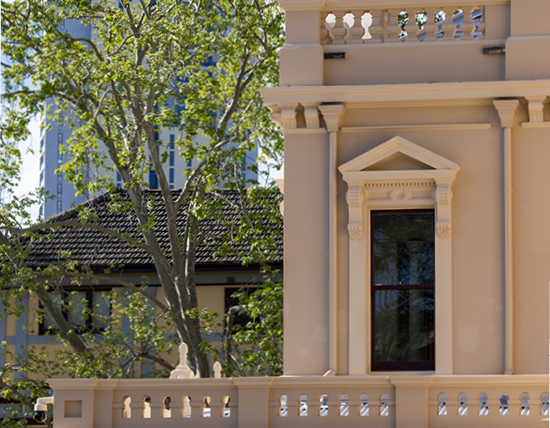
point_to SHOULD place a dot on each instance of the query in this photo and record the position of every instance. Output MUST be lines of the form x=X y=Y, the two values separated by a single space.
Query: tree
x=147 y=66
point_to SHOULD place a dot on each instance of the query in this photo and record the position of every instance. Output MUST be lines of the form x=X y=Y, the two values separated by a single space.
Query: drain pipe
x=507 y=111
x=332 y=115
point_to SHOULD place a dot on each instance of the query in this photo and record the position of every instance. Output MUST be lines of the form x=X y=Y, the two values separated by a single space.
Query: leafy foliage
x=193 y=67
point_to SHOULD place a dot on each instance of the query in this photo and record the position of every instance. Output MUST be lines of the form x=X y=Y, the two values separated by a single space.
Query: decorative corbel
x=332 y=114
x=288 y=116
x=311 y=114
x=443 y=196
x=536 y=109
x=355 y=197
x=275 y=114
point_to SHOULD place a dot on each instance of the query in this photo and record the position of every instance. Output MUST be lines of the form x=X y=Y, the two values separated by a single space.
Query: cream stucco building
x=417 y=245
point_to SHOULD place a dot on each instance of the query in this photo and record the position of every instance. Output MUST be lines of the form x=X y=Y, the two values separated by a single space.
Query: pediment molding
x=397 y=145
x=390 y=189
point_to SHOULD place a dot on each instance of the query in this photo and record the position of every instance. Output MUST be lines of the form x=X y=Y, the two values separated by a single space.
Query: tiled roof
x=97 y=250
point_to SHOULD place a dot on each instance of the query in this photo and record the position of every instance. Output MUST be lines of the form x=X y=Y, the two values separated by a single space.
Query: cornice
x=421 y=93
x=386 y=4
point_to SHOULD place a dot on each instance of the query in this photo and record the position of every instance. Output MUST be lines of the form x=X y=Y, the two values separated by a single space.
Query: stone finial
x=182 y=371
x=217 y=370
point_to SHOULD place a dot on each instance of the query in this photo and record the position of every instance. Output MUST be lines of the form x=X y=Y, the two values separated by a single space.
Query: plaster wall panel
x=530 y=17
x=497 y=22
x=531 y=250
x=306 y=255
x=391 y=63
x=477 y=217
x=527 y=58
x=301 y=55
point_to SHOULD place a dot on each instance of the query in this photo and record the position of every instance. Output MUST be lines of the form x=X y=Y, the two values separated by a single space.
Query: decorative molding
x=535 y=125
x=355 y=230
x=444 y=229
x=400 y=195
x=443 y=196
x=304 y=131
x=391 y=147
x=536 y=109
x=506 y=110
x=275 y=114
x=311 y=114
x=415 y=93
x=288 y=116
x=435 y=127
x=333 y=114
x=412 y=183
x=355 y=197
x=399 y=186
x=390 y=189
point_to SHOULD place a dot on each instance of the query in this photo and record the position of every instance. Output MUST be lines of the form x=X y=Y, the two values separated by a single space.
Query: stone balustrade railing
x=411 y=24
x=375 y=401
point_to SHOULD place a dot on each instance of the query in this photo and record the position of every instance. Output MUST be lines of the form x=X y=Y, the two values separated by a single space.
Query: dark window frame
x=388 y=366
x=88 y=327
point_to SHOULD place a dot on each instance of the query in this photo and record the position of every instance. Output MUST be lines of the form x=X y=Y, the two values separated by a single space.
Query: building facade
x=416 y=241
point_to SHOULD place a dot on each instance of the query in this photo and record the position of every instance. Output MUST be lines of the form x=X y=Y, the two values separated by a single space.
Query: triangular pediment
x=398 y=154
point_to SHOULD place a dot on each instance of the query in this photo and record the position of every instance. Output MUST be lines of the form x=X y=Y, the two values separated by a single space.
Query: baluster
x=340 y=29
x=392 y=26
x=420 y=20
x=196 y=406
x=327 y=24
x=292 y=407
x=216 y=409
x=430 y=27
x=357 y=31
x=135 y=409
x=378 y=26
x=440 y=18
x=157 y=408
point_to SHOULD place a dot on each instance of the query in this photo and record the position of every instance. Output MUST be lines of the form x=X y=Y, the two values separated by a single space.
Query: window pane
x=48 y=321
x=403 y=246
x=404 y=322
x=101 y=309
x=77 y=306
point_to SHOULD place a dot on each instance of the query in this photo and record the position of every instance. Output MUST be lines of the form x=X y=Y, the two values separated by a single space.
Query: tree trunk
x=196 y=357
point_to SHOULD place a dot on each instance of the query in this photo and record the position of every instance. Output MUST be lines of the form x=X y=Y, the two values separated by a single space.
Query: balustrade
x=473 y=401
x=417 y=24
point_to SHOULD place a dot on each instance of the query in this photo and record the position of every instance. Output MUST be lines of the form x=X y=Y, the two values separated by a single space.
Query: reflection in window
x=403 y=298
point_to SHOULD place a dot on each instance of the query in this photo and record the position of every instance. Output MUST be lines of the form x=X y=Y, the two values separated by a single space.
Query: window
x=402 y=178
x=84 y=309
x=171 y=175
x=402 y=290
x=231 y=300
x=59 y=207
x=59 y=190
x=153 y=180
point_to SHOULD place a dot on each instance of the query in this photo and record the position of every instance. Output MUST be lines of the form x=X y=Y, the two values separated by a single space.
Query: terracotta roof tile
x=98 y=250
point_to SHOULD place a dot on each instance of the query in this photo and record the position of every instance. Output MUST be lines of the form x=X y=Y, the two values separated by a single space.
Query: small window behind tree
x=84 y=309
